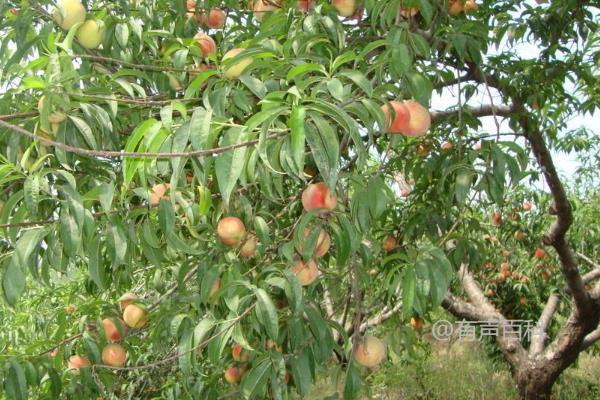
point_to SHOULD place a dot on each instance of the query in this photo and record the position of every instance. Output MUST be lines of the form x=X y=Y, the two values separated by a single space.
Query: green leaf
x=409 y=283
x=302 y=69
x=420 y=88
x=353 y=382
x=301 y=372
x=426 y=10
x=131 y=165
x=200 y=128
x=401 y=60
x=462 y=185
x=13 y=282
x=336 y=89
x=360 y=80
x=85 y=131
x=325 y=148
x=15 y=383
x=266 y=313
x=298 y=137
x=256 y=86
x=95 y=267
x=230 y=164
x=122 y=34
x=256 y=379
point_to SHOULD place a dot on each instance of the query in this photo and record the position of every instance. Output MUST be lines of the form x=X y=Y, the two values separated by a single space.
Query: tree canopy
x=211 y=199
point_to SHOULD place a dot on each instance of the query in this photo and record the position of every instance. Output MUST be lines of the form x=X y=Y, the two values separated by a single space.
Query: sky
x=566 y=164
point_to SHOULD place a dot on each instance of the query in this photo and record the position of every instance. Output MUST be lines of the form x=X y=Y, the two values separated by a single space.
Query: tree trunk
x=535 y=384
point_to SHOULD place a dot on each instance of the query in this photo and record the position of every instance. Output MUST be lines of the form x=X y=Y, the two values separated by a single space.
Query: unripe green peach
x=90 y=34
x=68 y=13
x=234 y=70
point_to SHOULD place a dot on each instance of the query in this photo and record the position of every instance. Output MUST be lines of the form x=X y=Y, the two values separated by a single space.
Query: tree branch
x=507 y=339
x=592 y=275
x=121 y=154
x=481 y=111
x=590 y=339
x=539 y=335
x=556 y=235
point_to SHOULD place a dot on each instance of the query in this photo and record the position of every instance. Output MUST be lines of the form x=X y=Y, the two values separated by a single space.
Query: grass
x=460 y=372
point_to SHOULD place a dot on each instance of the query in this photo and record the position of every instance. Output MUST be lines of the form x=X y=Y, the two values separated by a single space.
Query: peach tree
x=212 y=199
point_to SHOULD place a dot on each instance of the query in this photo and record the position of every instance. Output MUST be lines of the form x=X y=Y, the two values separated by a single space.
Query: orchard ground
x=458 y=369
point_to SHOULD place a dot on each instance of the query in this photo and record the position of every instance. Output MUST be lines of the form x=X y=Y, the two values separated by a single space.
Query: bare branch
x=481 y=111
x=590 y=339
x=539 y=337
x=121 y=154
x=508 y=340
x=461 y=309
x=556 y=235
x=592 y=275
x=383 y=316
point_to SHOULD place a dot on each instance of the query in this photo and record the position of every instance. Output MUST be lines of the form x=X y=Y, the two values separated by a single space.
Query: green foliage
x=83 y=219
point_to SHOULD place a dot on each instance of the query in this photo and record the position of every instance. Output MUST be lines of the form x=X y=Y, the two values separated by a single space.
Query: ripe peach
x=323 y=242
x=174 y=83
x=214 y=287
x=272 y=345
x=505 y=266
x=76 y=362
x=126 y=300
x=419 y=121
x=370 y=352
x=455 y=7
x=519 y=235
x=470 y=5
x=90 y=34
x=114 y=355
x=416 y=323
x=214 y=20
x=477 y=146
x=114 y=331
x=346 y=8
x=405 y=192
x=231 y=231
x=389 y=243
x=401 y=116
x=232 y=375
x=158 y=193
x=539 y=253
x=236 y=69
x=305 y=5
x=262 y=8
x=68 y=13
x=523 y=300
x=422 y=150
x=135 y=316
x=238 y=353
x=306 y=273
x=503 y=275
x=407 y=12
x=190 y=5
x=447 y=146
x=496 y=218
x=318 y=197
x=206 y=43
x=527 y=206
x=248 y=249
